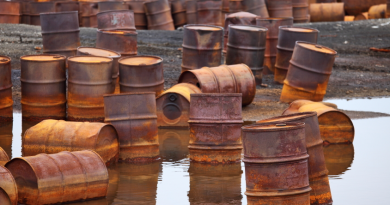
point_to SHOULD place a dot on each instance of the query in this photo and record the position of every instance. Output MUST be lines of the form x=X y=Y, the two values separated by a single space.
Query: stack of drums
x=6 y=101
x=327 y=12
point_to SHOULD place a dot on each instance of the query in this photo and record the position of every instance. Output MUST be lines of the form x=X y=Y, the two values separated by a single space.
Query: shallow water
x=372 y=105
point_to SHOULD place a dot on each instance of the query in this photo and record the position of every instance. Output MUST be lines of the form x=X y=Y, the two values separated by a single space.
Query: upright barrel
x=10 y=12
x=158 y=14
x=288 y=35
x=276 y=164
x=6 y=101
x=3 y=157
x=123 y=42
x=205 y=50
x=247 y=45
x=327 y=12
x=111 y=6
x=8 y=188
x=308 y=79
x=178 y=13
x=215 y=120
x=209 y=12
x=89 y=78
x=88 y=11
x=300 y=11
x=36 y=8
x=59 y=178
x=134 y=117
x=141 y=74
x=137 y=6
x=257 y=7
x=116 y=20
x=191 y=12
x=280 y=8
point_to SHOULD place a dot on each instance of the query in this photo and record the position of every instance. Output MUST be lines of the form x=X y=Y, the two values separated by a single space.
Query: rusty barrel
x=141 y=74
x=349 y=18
x=116 y=20
x=88 y=11
x=123 y=42
x=280 y=8
x=134 y=117
x=43 y=79
x=179 y=15
x=335 y=126
x=111 y=6
x=173 y=105
x=3 y=157
x=300 y=11
x=89 y=78
x=10 y=12
x=209 y=12
x=36 y=8
x=215 y=120
x=202 y=46
x=60 y=32
x=53 y=136
x=276 y=163
x=377 y=11
x=257 y=7
x=6 y=101
x=353 y=7
x=308 y=79
x=191 y=12
x=288 y=35
x=273 y=25
x=338 y=158
x=85 y=51
x=158 y=14
x=327 y=12
x=139 y=14
x=246 y=45
x=6 y=138
x=236 y=6
x=8 y=187
x=318 y=174
x=362 y=16
x=58 y=178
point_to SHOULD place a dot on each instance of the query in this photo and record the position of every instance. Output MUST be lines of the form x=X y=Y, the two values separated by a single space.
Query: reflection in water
x=338 y=158
x=6 y=137
x=173 y=144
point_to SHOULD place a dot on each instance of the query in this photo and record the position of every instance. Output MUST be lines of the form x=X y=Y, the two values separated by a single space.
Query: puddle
x=368 y=105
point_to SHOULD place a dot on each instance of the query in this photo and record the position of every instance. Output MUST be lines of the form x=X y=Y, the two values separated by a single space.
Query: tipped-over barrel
x=3 y=157
x=8 y=188
x=327 y=12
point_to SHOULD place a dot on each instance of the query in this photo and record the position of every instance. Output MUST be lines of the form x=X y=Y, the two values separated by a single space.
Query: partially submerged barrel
x=257 y=7
x=88 y=11
x=3 y=157
x=89 y=78
x=158 y=14
x=141 y=74
x=215 y=120
x=10 y=12
x=205 y=51
x=36 y=8
x=276 y=163
x=6 y=101
x=327 y=12
x=288 y=35
x=209 y=12
x=111 y=6
x=377 y=11
x=173 y=105
x=53 y=136
x=123 y=42
x=134 y=117
x=59 y=178
x=137 y=7
x=280 y=8
x=335 y=126
x=8 y=188
x=191 y=12
x=308 y=80
x=178 y=13
x=300 y=11
x=223 y=79
x=116 y=20
x=246 y=45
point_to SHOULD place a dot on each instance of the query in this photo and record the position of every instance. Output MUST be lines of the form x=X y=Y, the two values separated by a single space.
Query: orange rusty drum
x=137 y=6
x=8 y=187
x=158 y=14
x=116 y=20
x=338 y=158
x=377 y=11
x=123 y=42
x=53 y=136
x=179 y=13
x=209 y=12
x=3 y=157
x=58 y=178
x=4 y=198
x=88 y=11
x=10 y=12
x=355 y=7
x=362 y=16
x=6 y=101
x=36 y=8
x=300 y=11
x=349 y=18
x=327 y=12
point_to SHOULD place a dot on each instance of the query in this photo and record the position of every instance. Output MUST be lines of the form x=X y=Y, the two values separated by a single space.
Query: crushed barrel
x=53 y=136
x=116 y=20
x=209 y=12
x=10 y=12
x=58 y=178
x=339 y=158
x=137 y=7
x=191 y=12
x=6 y=101
x=327 y=12
x=8 y=187
x=3 y=157
x=215 y=120
x=280 y=8
x=300 y=11
x=123 y=42
x=158 y=14
x=36 y=8
x=111 y=6
x=178 y=13
x=134 y=117
x=88 y=11
x=377 y=11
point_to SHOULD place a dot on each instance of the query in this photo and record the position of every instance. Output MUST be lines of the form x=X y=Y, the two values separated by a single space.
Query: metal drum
x=6 y=101
x=280 y=8
x=257 y=7
x=353 y=7
x=10 y=12
x=3 y=157
x=111 y=6
x=191 y=12
x=377 y=11
x=123 y=42
x=300 y=11
x=362 y=16
x=6 y=140
x=8 y=188
x=59 y=178
x=327 y=12
x=159 y=15
x=178 y=13
x=215 y=120
x=88 y=11
x=139 y=14
x=89 y=78
x=36 y=8
x=116 y=20
x=209 y=12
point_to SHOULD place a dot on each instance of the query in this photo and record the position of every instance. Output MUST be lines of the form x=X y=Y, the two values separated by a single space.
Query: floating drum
x=308 y=79
x=257 y=7
x=327 y=12
x=335 y=126
x=318 y=174
x=247 y=45
x=111 y=6
x=159 y=15
x=116 y=20
x=36 y=8
x=300 y=11
x=215 y=121
x=280 y=8
x=276 y=164
x=8 y=188
x=134 y=117
x=3 y=157
x=59 y=178
x=139 y=14
x=178 y=13
x=123 y=42
x=173 y=105
x=89 y=78
x=209 y=12
x=10 y=12
x=88 y=11
x=6 y=101
x=288 y=35
x=377 y=11
x=43 y=79
x=205 y=50
x=191 y=12
x=53 y=136
x=141 y=74
x=223 y=79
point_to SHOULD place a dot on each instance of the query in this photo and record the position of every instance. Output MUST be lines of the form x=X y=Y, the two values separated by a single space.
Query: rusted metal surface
x=53 y=136
x=116 y=20
x=300 y=11
x=111 y=6
x=24 y=12
x=338 y=157
x=173 y=105
x=88 y=11
x=134 y=117
x=67 y=6
x=6 y=101
x=10 y=12
x=223 y=79
x=362 y=16
x=349 y=18
x=105 y=53
x=139 y=14
x=257 y=7
x=327 y=12
x=89 y=78
x=288 y=35
x=35 y=8
x=43 y=82
x=355 y=7
x=273 y=25
x=179 y=13
x=191 y=12
x=60 y=33
x=6 y=138
x=276 y=163
x=215 y=120
x=123 y=42
x=158 y=14
x=388 y=9
x=202 y=45
x=247 y=45
x=209 y=12
x=235 y=6
x=377 y=11
x=4 y=198
x=335 y=126
x=61 y=177
x=8 y=185
x=3 y=157
x=280 y=8
x=141 y=74
x=174 y=143
x=318 y=174
x=308 y=79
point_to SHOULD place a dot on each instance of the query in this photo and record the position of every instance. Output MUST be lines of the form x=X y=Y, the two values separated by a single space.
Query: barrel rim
x=138 y=56
x=293 y=126
x=126 y=94
x=69 y=59
x=285 y=28
x=178 y=86
x=114 y=11
x=62 y=57
x=118 y=56
x=58 y=13
x=298 y=43
x=5 y=62
x=240 y=27
x=297 y=116
x=110 y=32
x=205 y=25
